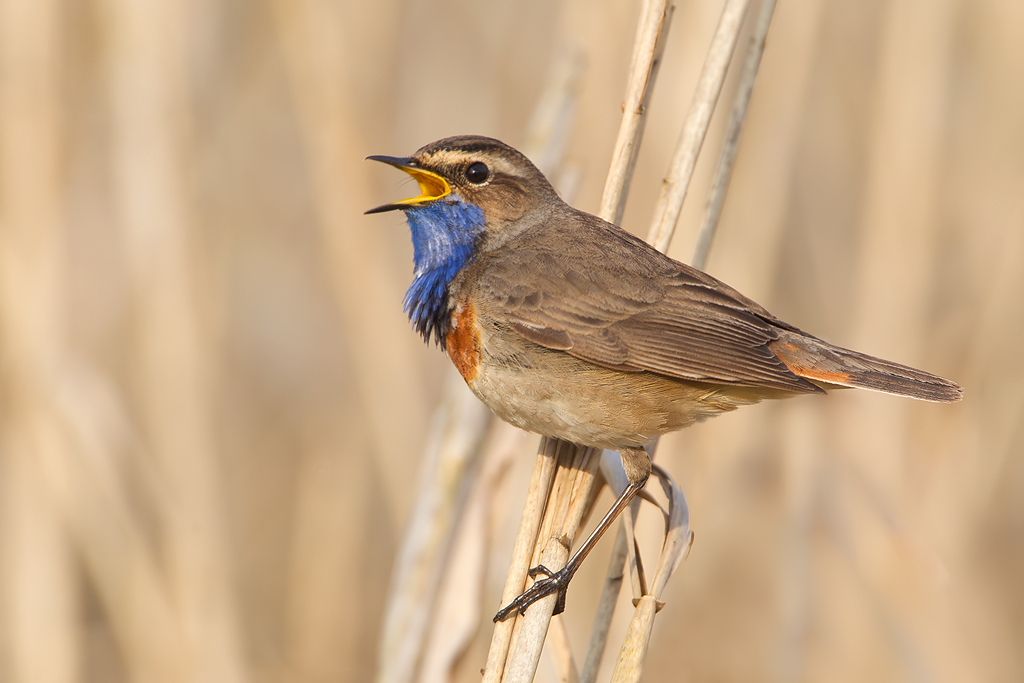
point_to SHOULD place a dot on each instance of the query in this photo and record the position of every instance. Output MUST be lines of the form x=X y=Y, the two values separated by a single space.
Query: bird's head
x=479 y=172
x=475 y=193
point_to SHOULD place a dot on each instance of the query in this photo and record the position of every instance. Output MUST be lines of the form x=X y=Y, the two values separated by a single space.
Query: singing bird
x=566 y=325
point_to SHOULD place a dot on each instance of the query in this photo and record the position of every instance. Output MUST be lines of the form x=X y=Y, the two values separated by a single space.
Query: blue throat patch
x=444 y=234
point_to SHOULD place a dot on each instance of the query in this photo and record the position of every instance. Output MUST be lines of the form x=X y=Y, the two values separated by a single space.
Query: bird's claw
x=540 y=570
x=554 y=582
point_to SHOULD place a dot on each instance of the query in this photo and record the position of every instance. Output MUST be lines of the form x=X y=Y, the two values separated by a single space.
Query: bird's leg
x=637 y=465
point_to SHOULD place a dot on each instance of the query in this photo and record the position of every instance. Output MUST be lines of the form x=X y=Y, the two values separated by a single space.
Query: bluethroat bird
x=571 y=327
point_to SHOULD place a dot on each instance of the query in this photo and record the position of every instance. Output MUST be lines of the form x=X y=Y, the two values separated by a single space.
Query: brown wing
x=602 y=295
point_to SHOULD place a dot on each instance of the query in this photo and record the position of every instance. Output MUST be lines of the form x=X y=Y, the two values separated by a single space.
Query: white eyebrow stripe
x=455 y=157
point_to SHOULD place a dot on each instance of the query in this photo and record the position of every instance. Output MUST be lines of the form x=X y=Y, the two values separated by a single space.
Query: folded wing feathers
x=615 y=301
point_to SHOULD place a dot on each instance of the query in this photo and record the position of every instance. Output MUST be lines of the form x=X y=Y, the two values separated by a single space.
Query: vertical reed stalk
x=695 y=127
x=39 y=593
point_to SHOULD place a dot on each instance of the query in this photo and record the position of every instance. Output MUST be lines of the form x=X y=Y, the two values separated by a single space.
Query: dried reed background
x=213 y=409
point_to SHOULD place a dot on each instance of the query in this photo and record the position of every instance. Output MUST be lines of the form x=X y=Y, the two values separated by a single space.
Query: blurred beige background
x=213 y=408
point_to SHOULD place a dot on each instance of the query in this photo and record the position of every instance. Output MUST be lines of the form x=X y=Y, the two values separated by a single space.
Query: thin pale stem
x=629 y=665
x=732 y=135
x=651 y=36
x=522 y=552
x=695 y=127
x=576 y=468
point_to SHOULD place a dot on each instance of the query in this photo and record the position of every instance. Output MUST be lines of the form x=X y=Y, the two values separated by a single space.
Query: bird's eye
x=477 y=172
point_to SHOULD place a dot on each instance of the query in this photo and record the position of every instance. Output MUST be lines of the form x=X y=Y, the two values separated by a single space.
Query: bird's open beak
x=432 y=186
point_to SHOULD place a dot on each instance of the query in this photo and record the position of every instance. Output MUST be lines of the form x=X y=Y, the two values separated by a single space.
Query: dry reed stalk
x=522 y=554
x=648 y=47
x=695 y=127
x=575 y=469
x=149 y=137
x=39 y=592
x=732 y=134
x=678 y=539
x=773 y=152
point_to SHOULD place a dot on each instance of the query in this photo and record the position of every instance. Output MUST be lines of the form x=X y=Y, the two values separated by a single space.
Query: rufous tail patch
x=803 y=364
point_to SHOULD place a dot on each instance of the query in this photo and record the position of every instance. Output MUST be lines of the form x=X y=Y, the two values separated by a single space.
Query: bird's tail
x=824 y=364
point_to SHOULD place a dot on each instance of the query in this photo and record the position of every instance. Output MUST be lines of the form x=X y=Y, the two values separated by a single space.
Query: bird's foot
x=553 y=582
